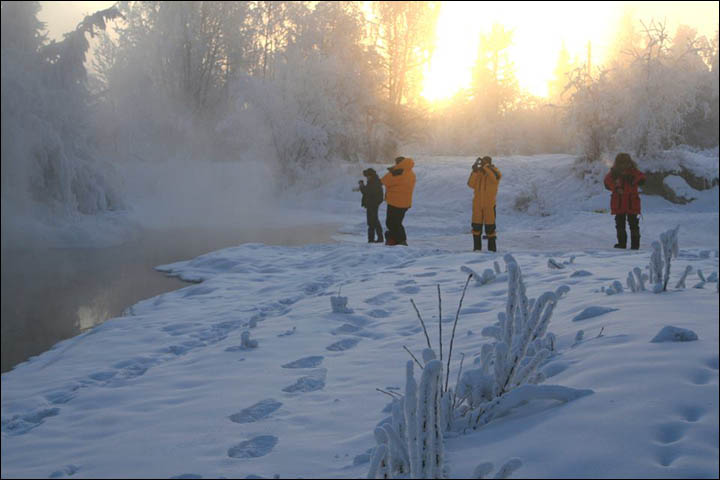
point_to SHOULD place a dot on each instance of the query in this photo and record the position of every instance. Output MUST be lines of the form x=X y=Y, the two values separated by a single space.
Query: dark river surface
x=53 y=294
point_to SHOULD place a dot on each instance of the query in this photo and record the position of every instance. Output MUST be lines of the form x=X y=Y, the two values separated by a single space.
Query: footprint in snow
x=344 y=344
x=591 y=312
x=310 y=383
x=253 y=448
x=254 y=413
x=102 y=376
x=667 y=433
x=179 y=328
x=67 y=470
x=427 y=274
x=666 y=455
x=712 y=362
x=700 y=377
x=63 y=395
x=408 y=330
x=345 y=328
x=691 y=413
x=381 y=299
x=305 y=362
x=21 y=424
x=411 y=289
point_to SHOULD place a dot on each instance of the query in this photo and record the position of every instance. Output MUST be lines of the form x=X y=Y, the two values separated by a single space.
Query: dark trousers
x=393 y=220
x=634 y=222
x=373 y=223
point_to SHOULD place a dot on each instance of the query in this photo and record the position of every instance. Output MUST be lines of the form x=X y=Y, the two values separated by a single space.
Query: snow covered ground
x=168 y=390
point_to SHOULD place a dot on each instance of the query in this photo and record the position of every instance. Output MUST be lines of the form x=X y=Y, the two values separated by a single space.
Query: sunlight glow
x=540 y=28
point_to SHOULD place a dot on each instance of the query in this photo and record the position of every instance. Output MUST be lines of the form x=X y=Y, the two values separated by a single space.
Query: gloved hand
x=396 y=172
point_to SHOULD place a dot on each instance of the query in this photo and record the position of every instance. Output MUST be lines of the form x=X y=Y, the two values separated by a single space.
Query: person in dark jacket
x=623 y=181
x=372 y=197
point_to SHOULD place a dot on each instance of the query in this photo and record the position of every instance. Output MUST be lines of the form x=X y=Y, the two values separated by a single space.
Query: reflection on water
x=52 y=294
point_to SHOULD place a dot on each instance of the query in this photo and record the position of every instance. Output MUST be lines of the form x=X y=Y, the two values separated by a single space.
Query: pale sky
x=61 y=17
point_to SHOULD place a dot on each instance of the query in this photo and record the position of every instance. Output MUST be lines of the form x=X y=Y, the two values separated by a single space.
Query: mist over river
x=55 y=293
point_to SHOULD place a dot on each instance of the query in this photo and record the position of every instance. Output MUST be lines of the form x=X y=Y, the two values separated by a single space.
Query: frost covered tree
x=656 y=92
x=50 y=162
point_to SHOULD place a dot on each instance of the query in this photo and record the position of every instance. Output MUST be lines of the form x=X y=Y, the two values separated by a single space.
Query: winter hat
x=370 y=172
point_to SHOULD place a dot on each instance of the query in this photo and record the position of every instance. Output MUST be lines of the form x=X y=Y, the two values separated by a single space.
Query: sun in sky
x=539 y=31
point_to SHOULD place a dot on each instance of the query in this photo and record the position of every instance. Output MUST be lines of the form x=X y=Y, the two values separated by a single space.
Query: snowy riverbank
x=169 y=390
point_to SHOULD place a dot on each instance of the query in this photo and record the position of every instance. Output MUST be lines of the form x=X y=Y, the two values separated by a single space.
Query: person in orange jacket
x=484 y=180
x=399 y=184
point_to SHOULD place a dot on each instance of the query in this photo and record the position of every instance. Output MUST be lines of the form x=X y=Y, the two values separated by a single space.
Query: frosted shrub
x=640 y=278
x=681 y=282
x=554 y=264
x=508 y=373
x=245 y=341
x=505 y=377
x=658 y=269
x=632 y=286
x=488 y=276
x=339 y=304
x=614 y=288
x=411 y=444
x=670 y=249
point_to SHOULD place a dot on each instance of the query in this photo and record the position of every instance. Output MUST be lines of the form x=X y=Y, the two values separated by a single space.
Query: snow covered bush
x=410 y=441
x=411 y=445
x=246 y=343
x=681 y=282
x=339 y=304
x=554 y=264
x=668 y=245
x=508 y=373
x=661 y=258
x=488 y=276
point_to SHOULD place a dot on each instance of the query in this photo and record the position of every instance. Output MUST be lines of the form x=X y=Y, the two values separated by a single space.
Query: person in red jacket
x=623 y=180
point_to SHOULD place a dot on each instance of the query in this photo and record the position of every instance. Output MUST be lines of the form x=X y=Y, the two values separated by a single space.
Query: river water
x=52 y=294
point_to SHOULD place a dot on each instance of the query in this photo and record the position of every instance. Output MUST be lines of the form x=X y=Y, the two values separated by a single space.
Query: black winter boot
x=371 y=235
x=622 y=239
x=492 y=246
x=634 y=240
x=634 y=232
x=477 y=243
